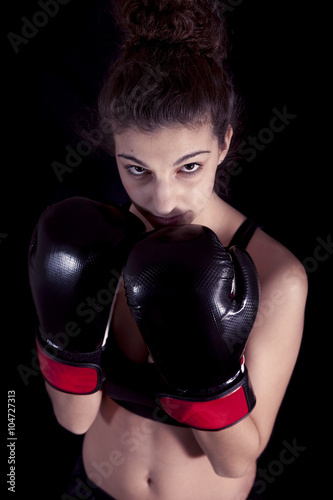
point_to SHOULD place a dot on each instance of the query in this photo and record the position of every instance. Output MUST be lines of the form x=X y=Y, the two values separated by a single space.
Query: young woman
x=170 y=117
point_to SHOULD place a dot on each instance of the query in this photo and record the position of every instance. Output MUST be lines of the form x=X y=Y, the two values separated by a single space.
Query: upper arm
x=274 y=344
x=75 y=413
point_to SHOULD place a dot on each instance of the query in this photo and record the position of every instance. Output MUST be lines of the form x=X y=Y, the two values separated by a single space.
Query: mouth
x=166 y=221
x=156 y=222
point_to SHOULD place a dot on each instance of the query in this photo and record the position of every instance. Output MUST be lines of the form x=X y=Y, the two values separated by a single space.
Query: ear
x=226 y=144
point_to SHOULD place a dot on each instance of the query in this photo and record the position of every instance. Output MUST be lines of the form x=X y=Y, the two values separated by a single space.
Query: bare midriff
x=135 y=458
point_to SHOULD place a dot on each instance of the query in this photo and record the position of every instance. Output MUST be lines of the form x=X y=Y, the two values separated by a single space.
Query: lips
x=169 y=221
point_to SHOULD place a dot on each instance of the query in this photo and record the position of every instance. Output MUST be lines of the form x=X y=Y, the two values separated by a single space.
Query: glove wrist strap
x=212 y=413
x=74 y=373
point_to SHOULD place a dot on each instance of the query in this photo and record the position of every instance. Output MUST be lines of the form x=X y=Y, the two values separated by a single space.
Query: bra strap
x=244 y=234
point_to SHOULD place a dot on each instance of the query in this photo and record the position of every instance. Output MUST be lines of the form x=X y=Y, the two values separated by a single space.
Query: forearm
x=74 y=413
x=232 y=451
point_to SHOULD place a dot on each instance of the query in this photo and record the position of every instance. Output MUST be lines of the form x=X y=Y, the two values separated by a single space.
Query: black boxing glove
x=195 y=304
x=76 y=257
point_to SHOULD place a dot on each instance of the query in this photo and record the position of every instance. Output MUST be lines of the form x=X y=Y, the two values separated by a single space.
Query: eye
x=136 y=171
x=191 y=168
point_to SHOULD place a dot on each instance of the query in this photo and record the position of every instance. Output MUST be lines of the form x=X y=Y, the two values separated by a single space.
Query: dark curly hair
x=171 y=70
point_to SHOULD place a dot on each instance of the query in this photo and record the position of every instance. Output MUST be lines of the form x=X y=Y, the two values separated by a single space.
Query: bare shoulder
x=283 y=287
x=275 y=340
x=277 y=267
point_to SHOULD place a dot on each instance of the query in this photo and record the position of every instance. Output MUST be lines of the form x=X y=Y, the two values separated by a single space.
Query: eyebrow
x=178 y=162
x=191 y=155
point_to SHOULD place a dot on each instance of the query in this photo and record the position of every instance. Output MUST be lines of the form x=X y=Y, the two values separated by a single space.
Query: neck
x=221 y=218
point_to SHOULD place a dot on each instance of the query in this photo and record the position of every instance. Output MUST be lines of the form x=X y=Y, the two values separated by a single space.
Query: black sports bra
x=244 y=234
x=134 y=385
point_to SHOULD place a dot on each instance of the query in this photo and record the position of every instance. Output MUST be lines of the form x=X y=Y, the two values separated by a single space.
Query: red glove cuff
x=71 y=377
x=213 y=413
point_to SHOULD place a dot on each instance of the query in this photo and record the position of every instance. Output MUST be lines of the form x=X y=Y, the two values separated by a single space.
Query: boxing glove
x=76 y=257
x=195 y=303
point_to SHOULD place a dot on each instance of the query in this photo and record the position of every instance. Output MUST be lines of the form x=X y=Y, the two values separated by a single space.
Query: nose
x=164 y=198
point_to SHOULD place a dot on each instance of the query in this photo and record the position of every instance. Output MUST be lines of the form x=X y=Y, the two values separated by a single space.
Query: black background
x=278 y=57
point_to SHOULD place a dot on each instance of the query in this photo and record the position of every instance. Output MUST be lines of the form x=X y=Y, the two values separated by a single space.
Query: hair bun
x=196 y=23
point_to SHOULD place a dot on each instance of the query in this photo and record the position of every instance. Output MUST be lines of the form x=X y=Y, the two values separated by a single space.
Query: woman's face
x=169 y=174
